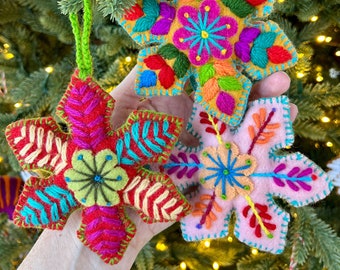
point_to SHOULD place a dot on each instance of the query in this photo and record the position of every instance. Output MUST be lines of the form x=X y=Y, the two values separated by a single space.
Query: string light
x=1 y=159
x=254 y=251
x=215 y=266
x=300 y=75
x=329 y=144
x=295 y=215
x=230 y=239
x=18 y=105
x=317 y=145
x=328 y=39
x=8 y=56
x=161 y=246
x=280 y=1
x=207 y=243
x=319 y=78
x=6 y=46
x=49 y=69
x=337 y=53
x=128 y=59
x=321 y=38
x=183 y=265
x=314 y=18
x=325 y=119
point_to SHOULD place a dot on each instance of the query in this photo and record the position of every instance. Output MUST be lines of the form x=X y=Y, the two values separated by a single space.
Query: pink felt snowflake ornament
x=240 y=171
x=211 y=43
x=95 y=168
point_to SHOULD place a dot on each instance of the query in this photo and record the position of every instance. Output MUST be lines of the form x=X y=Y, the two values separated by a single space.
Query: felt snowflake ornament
x=10 y=188
x=211 y=43
x=87 y=164
x=95 y=168
x=334 y=172
x=240 y=171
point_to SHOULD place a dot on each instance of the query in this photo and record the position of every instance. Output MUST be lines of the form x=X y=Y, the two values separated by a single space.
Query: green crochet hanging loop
x=82 y=40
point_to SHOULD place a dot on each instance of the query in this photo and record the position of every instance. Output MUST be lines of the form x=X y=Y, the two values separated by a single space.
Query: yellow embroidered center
x=204 y=34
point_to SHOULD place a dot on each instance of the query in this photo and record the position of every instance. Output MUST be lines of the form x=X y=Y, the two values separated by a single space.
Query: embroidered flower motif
x=226 y=171
x=213 y=43
x=95 y=180
x=95 y=168
x=205 y=33
x=239 y=171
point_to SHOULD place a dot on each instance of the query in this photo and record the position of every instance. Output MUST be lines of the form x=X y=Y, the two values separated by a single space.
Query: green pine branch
x=312 y=236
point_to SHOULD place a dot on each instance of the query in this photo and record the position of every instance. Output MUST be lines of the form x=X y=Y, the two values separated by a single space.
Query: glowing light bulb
x=280 y=1
x=295 y=215
x=337 y=53
x=207 y=243
x=128 y=59
x=254 y=251
x=329 y=144
x=300 y=75
x=6 y=46
x=314 y=18
x=328 y=39
x=319 y=78
x=18 y=105
x=49 y=69
x=320 y=38
x=1 y=159
x=230 y=239
x=161 y=246
x=183 y=265
x=216 y=266
x=8 y=56
x=325 y=119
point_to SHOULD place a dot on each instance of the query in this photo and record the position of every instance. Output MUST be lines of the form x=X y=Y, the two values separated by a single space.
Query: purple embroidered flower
x=204 y=33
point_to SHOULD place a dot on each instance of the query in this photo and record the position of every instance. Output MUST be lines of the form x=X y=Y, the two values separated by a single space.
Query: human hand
x=62 y=249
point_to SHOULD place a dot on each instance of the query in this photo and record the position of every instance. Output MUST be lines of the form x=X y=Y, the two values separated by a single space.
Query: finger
x=180 y=106
x=126 y=99
x=274 y=85
x=293 y=111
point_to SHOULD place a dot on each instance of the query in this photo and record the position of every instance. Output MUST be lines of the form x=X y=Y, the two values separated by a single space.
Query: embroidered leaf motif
x=265 y=217
x=210 y=129
x=46 y=207
x=181 y=64
x=205 y=209
x=151 y=11
x=134 y=13
x=296 y=178
x=162 y=26
x=145 y=140
x=155 y=200
x=106 y=231
x=86 y=108
x=166 y=75
x=229 y=83
x=206 y=72
x=183 y=164
x=263 y=130
x=38 y=144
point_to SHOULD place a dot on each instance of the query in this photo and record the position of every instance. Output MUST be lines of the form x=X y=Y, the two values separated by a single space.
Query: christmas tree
x=37 y=58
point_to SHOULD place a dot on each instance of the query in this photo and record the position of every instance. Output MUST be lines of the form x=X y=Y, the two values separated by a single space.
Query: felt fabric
x=240 y=171
x=10 y=188
x=84 y=163
x=334 y=172
x=210 y=43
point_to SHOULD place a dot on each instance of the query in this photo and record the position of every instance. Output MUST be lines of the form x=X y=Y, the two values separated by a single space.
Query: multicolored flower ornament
x=211 y=43
x=241 y=171
x=86 y=164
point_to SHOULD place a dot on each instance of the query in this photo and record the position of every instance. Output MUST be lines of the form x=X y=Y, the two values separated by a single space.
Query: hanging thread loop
x=82 y=40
